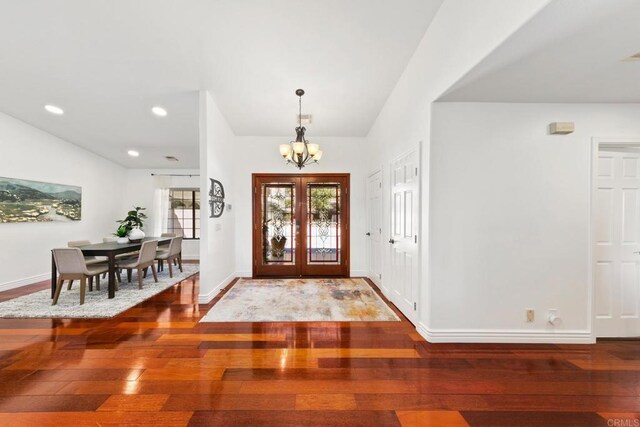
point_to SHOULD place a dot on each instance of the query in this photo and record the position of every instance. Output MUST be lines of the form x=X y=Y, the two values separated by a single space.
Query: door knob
x=392 y=241
x=368 y=234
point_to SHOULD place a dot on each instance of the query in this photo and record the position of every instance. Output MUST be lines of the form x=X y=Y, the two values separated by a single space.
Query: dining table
x=108 y=250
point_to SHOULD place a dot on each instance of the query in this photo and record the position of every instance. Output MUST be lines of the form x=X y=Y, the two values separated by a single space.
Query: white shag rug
x=300 y=300
x=96 y=305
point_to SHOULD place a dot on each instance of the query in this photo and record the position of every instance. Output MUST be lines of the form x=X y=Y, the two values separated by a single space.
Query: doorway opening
x=615 y=238
x=300 y=225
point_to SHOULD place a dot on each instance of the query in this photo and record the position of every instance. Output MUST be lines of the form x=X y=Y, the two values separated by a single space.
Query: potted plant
x=121 y=234
x=132 y=224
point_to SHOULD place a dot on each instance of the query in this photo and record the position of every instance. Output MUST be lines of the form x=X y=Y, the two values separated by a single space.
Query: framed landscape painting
x=33 y=201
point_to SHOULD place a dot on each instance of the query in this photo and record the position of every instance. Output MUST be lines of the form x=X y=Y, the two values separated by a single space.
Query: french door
x=300 y=225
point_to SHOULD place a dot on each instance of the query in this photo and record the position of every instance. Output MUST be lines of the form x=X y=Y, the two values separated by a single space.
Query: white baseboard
x=23 y=282
x=358 y=273
x=504 y=336
x=244 y=274
x=209 y=296
x=191 y=257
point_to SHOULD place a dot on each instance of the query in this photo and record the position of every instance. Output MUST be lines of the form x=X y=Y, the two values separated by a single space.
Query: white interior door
x=374 y=227
x=617 y=241
x=403 y=243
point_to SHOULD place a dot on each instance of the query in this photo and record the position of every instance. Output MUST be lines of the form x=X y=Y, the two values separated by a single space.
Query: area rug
x=300 y=300
x=96 y=304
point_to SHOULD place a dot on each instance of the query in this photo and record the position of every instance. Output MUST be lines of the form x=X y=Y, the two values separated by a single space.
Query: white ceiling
x=107 y=62
x=572 y=51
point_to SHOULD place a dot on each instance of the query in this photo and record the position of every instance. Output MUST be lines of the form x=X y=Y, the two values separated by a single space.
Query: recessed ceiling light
x=159 y=111
x=133 y=153
x=54 y=110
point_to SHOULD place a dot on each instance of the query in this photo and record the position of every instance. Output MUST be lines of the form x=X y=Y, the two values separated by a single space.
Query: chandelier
x=300 y=152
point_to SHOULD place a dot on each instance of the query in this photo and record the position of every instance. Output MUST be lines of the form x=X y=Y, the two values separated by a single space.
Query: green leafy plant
x=134 y=218
x=121 y=231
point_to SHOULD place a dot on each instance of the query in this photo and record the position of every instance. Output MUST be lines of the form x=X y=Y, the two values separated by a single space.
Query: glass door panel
x=323 y=223
x=278 y=227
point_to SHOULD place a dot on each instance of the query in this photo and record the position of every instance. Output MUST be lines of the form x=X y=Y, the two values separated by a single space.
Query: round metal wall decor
x=216 y=199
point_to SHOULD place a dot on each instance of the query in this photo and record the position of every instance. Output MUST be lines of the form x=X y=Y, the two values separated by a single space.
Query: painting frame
x=29 y=201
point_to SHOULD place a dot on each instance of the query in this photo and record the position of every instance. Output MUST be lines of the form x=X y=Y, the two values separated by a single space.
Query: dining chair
x=115 y=239
x=89 y=260
x=71 y=265
x=144 y=260
x=173 y=254
x=175 y=261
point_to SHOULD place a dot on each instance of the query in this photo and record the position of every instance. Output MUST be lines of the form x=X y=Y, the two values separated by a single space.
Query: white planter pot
x=122 y=240
x=136 y=234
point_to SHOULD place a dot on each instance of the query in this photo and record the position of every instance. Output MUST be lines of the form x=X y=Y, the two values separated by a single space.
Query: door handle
x=368 y=234
x=392 y=241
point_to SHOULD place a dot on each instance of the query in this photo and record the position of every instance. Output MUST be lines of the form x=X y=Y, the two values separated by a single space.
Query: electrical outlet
x=531 y=315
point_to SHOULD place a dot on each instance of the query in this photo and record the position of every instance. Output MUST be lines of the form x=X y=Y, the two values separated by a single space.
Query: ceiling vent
x=171 y=158
x=304 y=119
x=635 y=57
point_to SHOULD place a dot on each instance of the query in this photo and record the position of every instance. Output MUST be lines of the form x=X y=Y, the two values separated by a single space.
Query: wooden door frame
x=345 y=265
x=377 y=280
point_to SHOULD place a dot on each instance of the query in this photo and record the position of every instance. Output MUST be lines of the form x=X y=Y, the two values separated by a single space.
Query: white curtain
x=161 y=204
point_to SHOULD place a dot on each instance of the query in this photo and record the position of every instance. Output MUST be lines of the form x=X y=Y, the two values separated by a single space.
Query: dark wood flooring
x=155 y=364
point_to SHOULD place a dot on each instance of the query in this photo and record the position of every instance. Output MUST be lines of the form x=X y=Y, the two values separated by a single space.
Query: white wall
x=139 y=191
x=510 y=218
x=217 y=239
x=29 y=153
x=460 y=36
x=340 y=155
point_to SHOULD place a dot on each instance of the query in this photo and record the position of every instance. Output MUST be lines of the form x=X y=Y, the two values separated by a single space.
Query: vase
x=277 y=246
x=136 y=234
x=122 y=240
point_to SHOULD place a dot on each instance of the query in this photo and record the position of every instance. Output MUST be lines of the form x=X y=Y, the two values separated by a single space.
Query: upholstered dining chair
x=144 y=260
x=115 y=239
x=173 y=254
x=72 y=266
x=175 y=261
x=89 y=260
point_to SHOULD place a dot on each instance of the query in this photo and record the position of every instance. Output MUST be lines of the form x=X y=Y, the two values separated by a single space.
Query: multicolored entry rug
x=300 y=300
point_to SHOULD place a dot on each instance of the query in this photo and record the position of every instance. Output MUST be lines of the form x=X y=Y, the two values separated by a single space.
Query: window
x=184 y=212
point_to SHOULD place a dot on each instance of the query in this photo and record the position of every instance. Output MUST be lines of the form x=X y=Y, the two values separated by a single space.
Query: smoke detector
x=171 y=158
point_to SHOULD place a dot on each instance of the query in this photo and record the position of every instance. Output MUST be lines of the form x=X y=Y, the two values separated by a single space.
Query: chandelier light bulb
x=298 y=147
x=313 y=149
x=285 y=150
x=317 y=156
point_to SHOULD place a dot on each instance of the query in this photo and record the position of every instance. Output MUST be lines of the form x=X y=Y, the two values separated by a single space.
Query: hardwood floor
x=155 y=364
